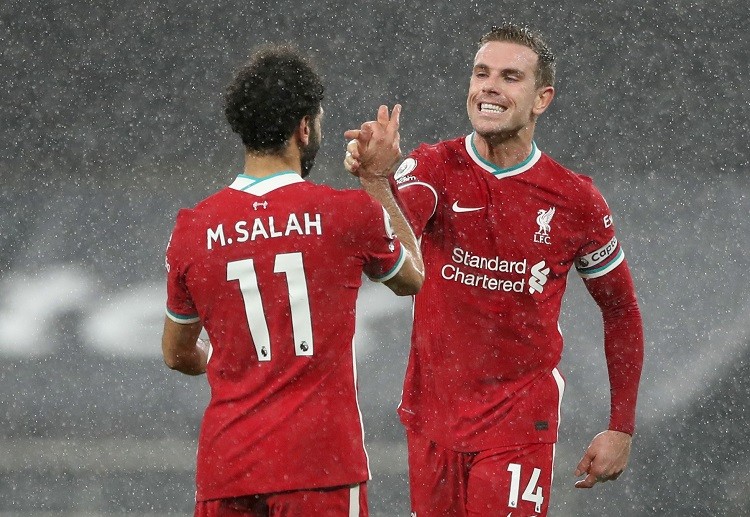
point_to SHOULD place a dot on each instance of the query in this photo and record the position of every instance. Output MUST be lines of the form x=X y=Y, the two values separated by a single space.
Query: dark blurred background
x=112 y=120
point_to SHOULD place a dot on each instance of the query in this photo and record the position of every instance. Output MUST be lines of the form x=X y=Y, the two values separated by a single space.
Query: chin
x=491 y=133
x=483 y=126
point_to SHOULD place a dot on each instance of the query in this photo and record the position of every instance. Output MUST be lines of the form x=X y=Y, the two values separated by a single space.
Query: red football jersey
x=272 y=267
x=497 y=246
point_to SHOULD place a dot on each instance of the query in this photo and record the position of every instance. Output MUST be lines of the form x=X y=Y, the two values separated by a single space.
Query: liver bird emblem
x=543 y=218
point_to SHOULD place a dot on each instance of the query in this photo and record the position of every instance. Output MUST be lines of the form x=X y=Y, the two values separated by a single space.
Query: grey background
x=111 y=120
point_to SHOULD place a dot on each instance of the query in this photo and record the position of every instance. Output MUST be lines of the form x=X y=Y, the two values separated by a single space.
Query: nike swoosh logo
x=460 y=209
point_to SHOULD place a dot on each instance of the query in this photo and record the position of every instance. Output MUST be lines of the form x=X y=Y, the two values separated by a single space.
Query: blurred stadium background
x=112 y=120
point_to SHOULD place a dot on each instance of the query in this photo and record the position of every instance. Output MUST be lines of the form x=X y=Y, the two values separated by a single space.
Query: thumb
x=351 y=134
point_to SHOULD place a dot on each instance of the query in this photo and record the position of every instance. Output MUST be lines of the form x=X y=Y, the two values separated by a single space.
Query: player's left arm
x=607 y=455
x=182 y=349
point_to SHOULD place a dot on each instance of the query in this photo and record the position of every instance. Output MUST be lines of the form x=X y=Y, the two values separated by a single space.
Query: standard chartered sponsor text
x=504 y=276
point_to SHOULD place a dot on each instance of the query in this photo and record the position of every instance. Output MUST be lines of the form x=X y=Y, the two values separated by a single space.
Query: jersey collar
x=262 y=186
x=499 y=173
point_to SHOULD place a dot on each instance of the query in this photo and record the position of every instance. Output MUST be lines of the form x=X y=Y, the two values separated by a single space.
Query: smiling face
x=504 y=100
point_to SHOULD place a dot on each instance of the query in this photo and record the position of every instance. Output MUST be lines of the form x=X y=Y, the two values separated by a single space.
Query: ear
x=543 y=99
x=303 y=130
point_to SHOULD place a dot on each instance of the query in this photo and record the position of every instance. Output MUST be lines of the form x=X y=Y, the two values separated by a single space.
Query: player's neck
x=504 y=152
x=261 y=166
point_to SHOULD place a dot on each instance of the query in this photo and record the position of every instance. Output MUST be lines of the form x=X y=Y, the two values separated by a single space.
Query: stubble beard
x=308 y=154
x=498 y=136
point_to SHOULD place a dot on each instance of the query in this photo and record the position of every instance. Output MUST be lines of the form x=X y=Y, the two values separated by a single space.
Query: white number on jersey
x=532 y=493
x=291 y=265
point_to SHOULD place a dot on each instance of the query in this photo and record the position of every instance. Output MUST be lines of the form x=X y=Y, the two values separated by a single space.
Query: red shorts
x=512 y=481
x=346 y=501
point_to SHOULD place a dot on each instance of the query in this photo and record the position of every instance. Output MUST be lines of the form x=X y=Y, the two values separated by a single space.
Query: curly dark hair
x=522 y=35
x=269 y=95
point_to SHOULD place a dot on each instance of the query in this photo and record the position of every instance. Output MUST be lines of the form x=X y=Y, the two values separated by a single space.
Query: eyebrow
x=504 y=71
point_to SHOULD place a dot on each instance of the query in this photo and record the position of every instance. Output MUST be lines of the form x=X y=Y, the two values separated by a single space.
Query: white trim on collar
x=262 y=186
x=499 y=173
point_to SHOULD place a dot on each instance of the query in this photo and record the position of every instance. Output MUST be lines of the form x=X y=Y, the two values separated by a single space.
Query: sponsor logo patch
x=406 y=167
x=539 y=273
x=460 y=209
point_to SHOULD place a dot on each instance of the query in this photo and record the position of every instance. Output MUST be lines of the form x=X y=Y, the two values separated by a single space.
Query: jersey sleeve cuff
x=183 y=319
x=627 y=428
x=394 y=270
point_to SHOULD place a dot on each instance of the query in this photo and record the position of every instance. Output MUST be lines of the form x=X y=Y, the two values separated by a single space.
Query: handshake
x=373 y=150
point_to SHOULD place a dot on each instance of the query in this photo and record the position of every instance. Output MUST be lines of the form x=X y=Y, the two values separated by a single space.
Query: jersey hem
x=199 y=497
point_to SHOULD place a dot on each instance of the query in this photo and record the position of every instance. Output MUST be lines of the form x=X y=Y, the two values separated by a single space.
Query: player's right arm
x=182 y=349
x=378 y=152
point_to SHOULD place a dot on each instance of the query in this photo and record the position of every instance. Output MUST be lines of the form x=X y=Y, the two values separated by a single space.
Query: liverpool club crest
x=543 y=219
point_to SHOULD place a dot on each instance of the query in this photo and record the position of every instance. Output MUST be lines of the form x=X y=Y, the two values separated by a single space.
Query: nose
x=491 y=85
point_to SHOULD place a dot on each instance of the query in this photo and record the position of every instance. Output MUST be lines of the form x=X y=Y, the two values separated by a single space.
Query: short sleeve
x=180 y=306
x=417 y=189
x=382 y=252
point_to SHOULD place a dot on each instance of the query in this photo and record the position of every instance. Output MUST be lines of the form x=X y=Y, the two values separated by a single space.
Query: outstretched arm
x=377 y=152
x=609 y=451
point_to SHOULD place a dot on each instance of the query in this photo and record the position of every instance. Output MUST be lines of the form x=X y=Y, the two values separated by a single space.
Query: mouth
x=486 y=107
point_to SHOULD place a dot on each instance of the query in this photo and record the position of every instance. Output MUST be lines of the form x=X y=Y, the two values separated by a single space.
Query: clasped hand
x=374 y=149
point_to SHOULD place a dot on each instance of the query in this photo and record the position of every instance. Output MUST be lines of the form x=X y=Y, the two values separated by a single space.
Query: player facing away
x=500 y=225
x=271 y=266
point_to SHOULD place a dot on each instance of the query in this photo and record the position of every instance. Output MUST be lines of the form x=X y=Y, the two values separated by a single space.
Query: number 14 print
x=532 y=493
x=291 y=265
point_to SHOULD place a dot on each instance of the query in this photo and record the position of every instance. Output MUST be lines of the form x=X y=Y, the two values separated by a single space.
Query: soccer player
x=501 y=224
x=270 y=266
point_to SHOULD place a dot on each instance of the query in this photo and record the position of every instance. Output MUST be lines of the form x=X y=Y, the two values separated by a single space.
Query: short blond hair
x=522 y=35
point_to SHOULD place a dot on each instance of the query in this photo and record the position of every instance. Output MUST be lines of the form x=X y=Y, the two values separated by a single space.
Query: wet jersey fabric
x=271 y=267
x=497 y=245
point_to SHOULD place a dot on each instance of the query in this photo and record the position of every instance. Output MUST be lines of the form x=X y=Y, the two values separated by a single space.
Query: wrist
x=628 y=429
x=376 y=171
x=374 y=182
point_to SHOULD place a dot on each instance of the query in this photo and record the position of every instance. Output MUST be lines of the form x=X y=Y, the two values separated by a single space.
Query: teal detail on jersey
x=182 y=318
x=252 y=181
x=498 y=171
x=605 y=268
x=396 y=267
x=255 y=180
